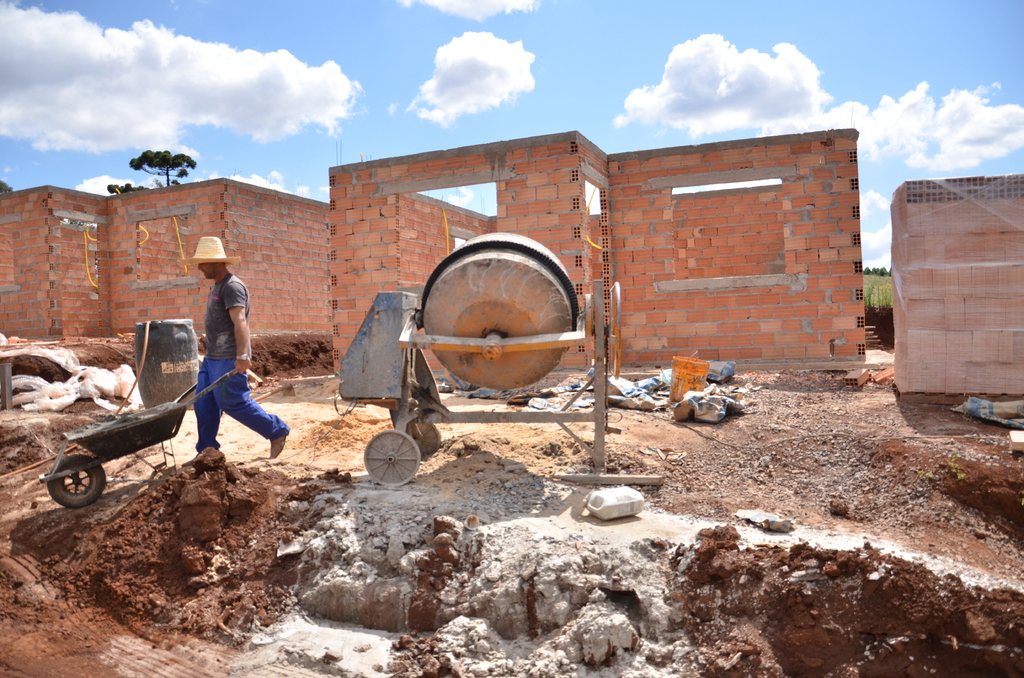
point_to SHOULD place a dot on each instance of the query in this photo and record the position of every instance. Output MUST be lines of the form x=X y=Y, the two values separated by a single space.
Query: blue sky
x=276 y=94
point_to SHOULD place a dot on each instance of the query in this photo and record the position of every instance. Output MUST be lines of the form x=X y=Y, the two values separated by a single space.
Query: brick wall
x=772 y=273
x=136 y=244
x=764 y=273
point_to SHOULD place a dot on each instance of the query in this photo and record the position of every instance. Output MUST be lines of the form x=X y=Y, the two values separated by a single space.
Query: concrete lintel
x=727 y=177
x=81 y=216
x=10 y=218
x=460 y=232
x=721 y=193
x=447 y=181
x=155 y=285
x=162 y=213
x=737 y=143
x=594 y=176
x=497 y=149
x=9 y=289
x=796 y=282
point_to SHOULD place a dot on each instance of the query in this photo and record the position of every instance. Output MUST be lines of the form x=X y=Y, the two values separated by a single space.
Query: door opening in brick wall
x=88 y=252
x=7 y=255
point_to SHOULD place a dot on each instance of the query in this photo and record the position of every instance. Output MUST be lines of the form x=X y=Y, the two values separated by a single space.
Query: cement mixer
x=498 y=312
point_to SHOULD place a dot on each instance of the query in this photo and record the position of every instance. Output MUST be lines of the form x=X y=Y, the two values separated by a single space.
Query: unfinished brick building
x=79 y=264
x=756 y=274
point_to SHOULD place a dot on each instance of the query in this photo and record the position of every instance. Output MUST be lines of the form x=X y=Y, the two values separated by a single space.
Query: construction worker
x=227 y=348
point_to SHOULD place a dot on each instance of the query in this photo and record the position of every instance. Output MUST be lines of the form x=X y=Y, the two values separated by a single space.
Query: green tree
x=162 y=163
x=127 y=188
x=5 y=187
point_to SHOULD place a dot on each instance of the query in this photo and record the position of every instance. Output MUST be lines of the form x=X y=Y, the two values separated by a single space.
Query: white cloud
x=710 y=86
x=876 y=248
x=473 y=73
x=965 y=129
x=99 y=184
x=477 y=9
x=69 y=84
x=872 y=202
x=274 y=181
x=461 y=197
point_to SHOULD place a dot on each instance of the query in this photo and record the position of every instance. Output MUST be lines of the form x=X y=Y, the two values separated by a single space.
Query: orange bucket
x=688 y=374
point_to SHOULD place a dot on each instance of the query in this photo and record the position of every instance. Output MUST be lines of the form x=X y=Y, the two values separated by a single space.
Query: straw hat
x=210 y=250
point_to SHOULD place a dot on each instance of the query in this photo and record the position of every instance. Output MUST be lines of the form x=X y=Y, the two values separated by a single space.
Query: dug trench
x=904 y=560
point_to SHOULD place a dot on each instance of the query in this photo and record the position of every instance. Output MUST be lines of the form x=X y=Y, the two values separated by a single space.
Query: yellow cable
x=447 y=240
x=180 y=247
x=144 y=231
x=587 y=238
x=85 y=239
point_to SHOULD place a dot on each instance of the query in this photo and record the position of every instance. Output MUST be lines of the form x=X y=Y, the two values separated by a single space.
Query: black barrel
x=171 y=363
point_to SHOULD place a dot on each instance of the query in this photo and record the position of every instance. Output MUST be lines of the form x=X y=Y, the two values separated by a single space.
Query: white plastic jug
x=616 y=502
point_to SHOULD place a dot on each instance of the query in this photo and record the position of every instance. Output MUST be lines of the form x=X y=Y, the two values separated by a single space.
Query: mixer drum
x=504 y=283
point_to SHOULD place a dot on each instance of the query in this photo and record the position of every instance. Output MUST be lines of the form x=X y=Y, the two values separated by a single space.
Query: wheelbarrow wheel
x=81 y=488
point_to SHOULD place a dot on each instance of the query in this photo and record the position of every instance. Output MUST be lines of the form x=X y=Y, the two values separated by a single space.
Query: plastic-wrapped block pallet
x=958 y=285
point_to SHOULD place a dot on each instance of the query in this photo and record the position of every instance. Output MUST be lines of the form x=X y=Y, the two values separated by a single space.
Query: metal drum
x=506 y=284
x=172 y=359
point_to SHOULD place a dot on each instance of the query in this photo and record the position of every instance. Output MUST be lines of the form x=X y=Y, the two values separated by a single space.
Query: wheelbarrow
x=77 y=480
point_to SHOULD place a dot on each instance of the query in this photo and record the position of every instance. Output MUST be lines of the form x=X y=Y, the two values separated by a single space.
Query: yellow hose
x=88 y=272
x=180 y=247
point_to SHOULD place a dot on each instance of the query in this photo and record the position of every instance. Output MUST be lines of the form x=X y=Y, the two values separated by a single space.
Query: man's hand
x=241 y=365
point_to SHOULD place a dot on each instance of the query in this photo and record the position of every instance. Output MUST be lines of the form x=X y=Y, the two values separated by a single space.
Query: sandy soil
x=185 y=560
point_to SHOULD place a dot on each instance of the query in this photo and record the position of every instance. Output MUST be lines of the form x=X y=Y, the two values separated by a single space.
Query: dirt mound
x=803 y=611
x=197 y=554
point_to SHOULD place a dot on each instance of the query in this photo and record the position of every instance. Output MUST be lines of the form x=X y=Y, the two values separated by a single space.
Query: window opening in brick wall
x=160 y=248
x=681 y=190
x=481 y=198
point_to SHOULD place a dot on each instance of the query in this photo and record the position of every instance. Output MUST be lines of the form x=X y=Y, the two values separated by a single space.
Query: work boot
x=276 y=446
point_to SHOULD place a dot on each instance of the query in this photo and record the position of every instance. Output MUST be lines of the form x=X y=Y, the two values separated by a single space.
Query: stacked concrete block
x=958 y=283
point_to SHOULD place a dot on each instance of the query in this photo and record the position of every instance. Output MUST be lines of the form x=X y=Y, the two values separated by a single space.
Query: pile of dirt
x=196 y=555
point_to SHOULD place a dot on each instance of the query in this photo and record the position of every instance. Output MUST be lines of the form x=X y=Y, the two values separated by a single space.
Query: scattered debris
x=766 y=521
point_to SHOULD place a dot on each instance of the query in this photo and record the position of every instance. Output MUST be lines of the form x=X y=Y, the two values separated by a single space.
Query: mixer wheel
x=427 y=436
x=392 y=458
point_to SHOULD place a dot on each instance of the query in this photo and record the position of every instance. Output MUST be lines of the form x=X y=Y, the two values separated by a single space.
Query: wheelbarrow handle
x=224 y=377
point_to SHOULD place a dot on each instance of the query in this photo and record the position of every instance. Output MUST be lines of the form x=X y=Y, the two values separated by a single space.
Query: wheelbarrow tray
x=116 y=436
x=120 y=435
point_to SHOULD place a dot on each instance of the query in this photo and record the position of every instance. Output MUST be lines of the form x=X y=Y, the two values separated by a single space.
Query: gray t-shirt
x=220 y=331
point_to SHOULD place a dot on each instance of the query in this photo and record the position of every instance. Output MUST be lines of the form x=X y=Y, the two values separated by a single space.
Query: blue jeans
x=231 y=397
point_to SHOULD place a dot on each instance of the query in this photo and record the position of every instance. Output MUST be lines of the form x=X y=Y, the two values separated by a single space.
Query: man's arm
x=237 y=314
